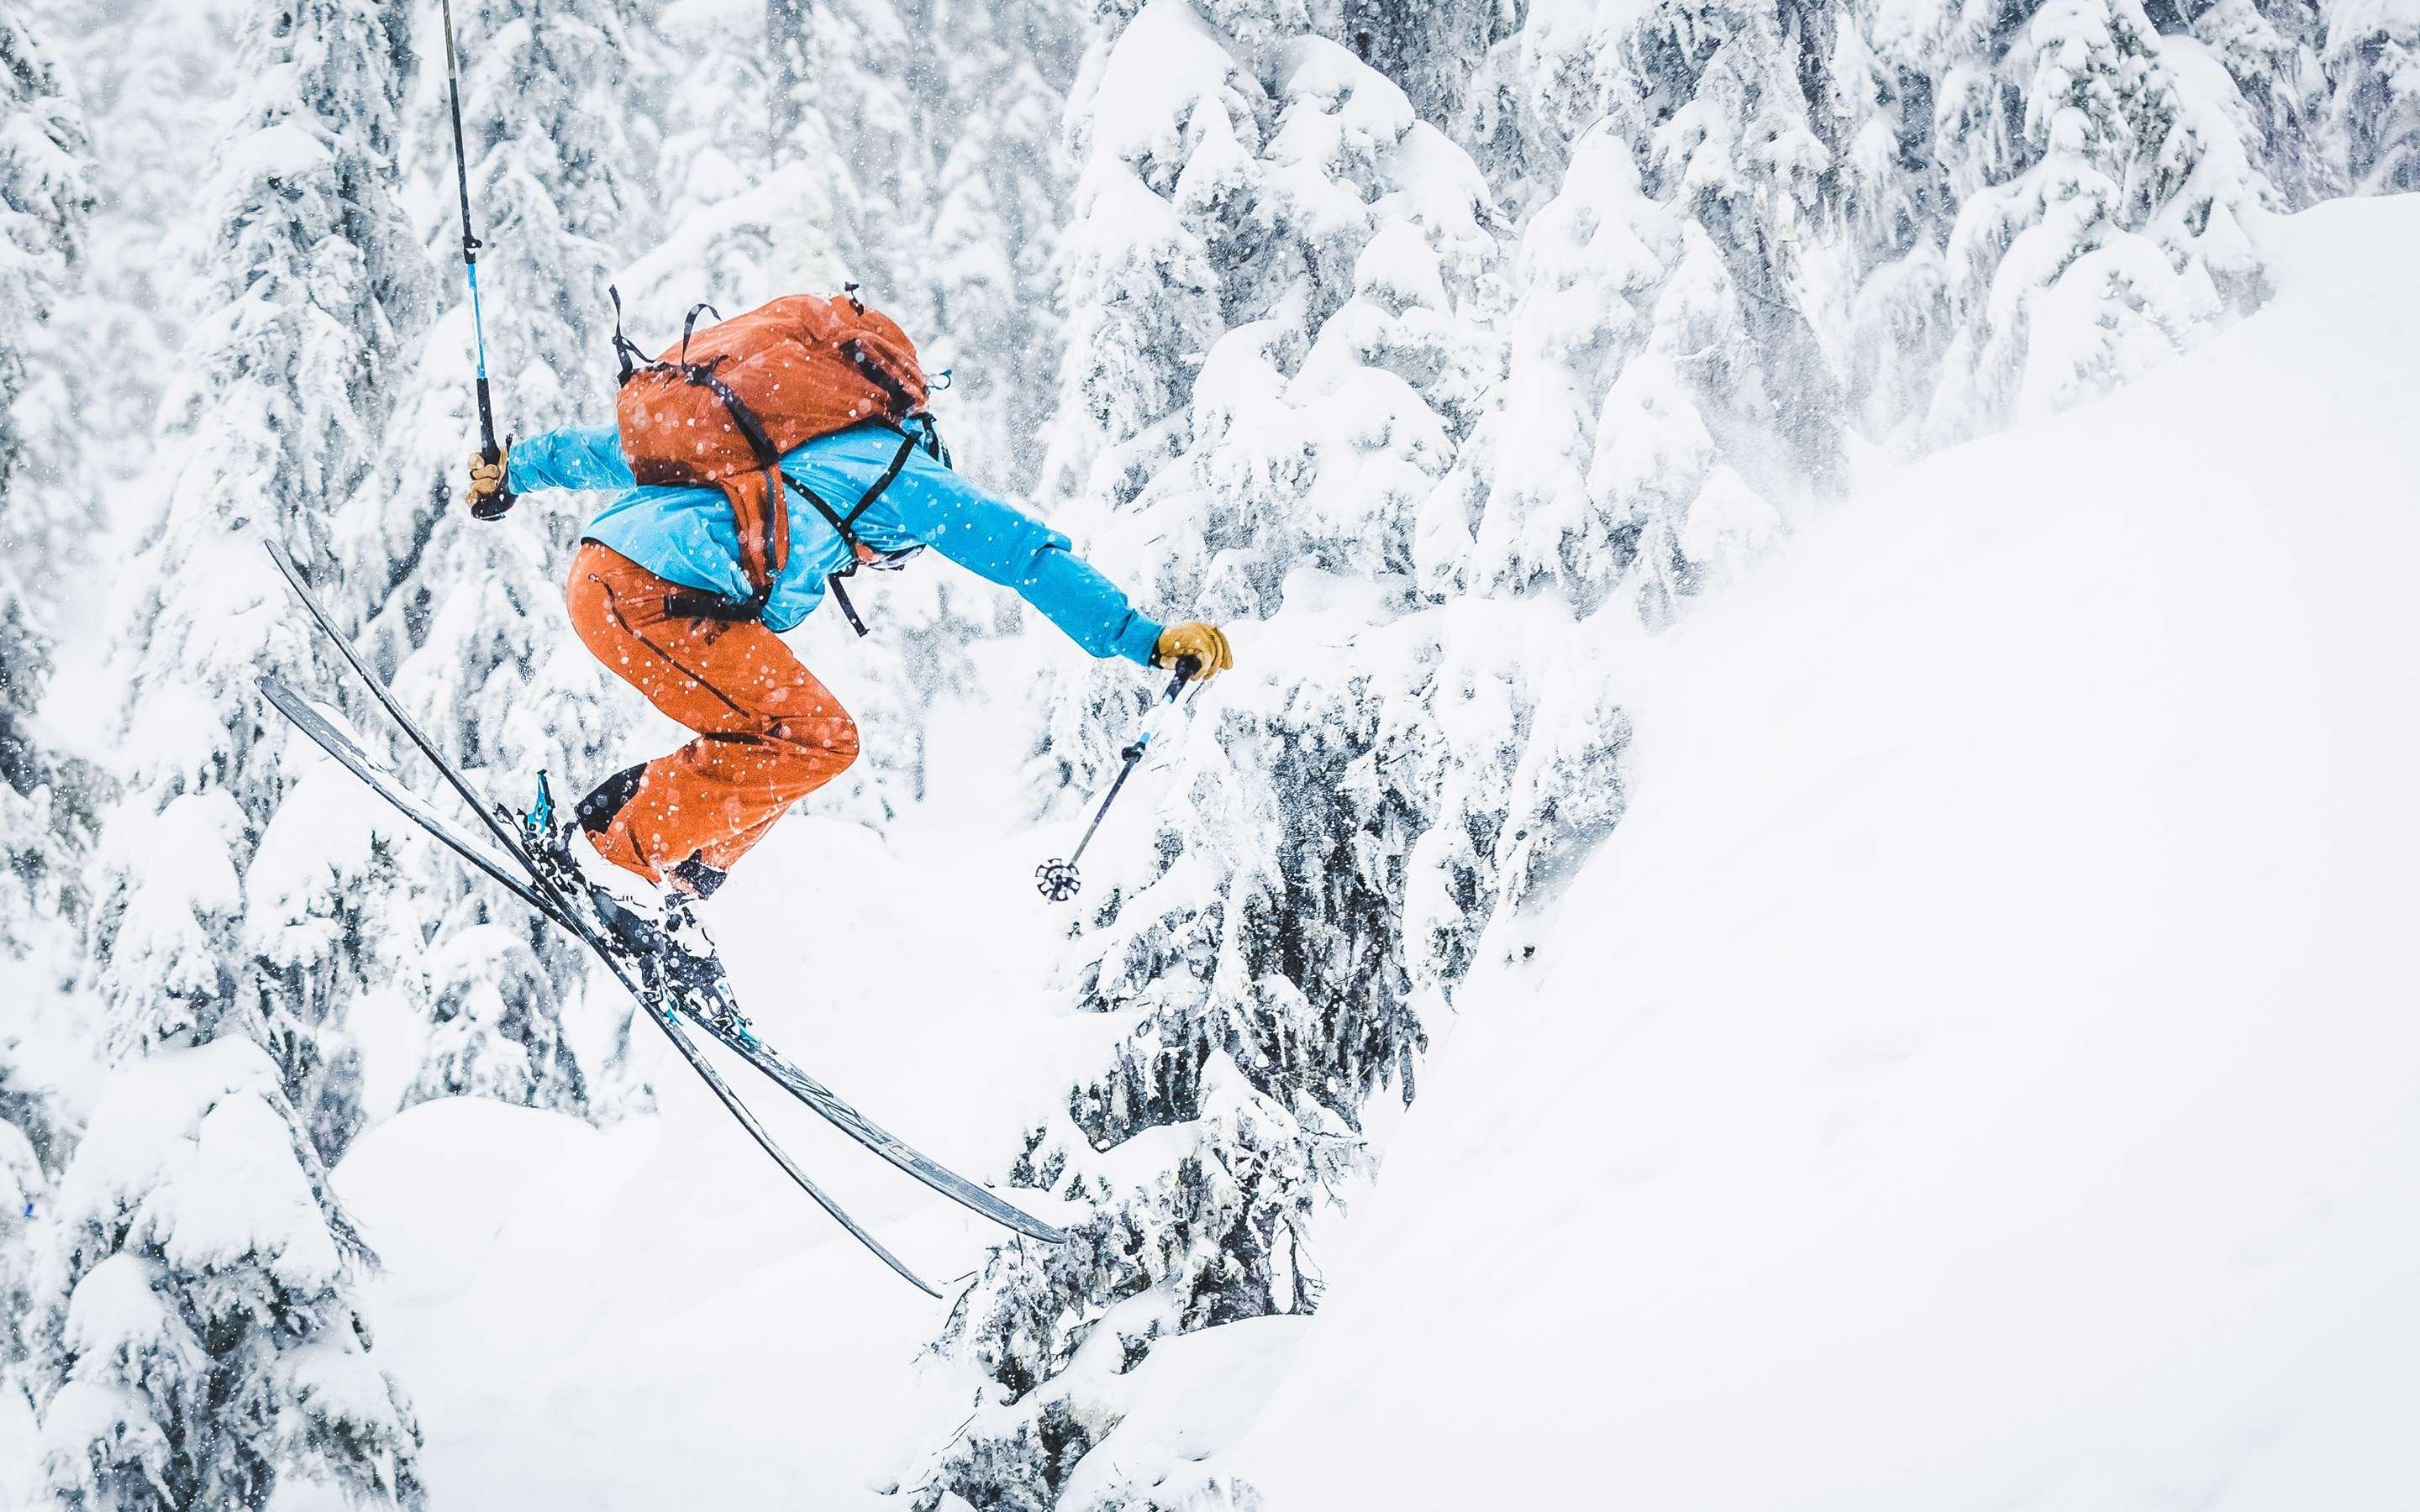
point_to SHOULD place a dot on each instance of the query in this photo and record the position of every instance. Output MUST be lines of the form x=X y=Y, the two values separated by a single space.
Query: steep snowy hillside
x=1980 y=1071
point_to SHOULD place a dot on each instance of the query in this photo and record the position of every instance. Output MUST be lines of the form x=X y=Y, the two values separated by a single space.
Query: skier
x=682 y=590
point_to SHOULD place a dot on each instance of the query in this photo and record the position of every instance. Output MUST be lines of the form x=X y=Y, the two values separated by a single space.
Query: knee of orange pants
x=812 y=751
x=817 y=748
x=805 y=754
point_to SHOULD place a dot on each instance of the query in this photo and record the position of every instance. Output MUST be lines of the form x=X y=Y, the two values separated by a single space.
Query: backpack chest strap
x=859 y=554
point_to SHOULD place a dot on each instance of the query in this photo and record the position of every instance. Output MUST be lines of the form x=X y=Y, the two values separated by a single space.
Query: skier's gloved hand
x=1205 y=643
x=487 y=496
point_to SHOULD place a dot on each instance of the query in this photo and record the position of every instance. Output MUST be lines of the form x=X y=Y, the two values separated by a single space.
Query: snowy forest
x=1467 y=359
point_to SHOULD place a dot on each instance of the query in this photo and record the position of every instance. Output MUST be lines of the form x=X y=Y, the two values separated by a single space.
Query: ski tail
x=307 y=718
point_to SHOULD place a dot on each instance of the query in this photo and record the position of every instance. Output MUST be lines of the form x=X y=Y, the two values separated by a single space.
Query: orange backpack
x=723 y=406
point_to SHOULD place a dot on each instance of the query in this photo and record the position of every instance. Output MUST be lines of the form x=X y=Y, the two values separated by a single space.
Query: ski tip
x=1018 y=1221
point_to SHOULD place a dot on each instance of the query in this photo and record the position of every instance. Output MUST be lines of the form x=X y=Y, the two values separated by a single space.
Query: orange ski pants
x=769 y=733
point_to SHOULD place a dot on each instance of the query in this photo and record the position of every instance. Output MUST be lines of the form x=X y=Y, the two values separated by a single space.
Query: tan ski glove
x=1205 y=643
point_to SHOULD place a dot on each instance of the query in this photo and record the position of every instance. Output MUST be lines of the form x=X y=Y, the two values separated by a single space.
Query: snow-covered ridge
x=1977 y=1068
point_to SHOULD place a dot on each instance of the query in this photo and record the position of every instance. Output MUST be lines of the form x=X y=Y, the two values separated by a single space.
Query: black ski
x=533 y=888
x=713 y=1007
x=388 y=786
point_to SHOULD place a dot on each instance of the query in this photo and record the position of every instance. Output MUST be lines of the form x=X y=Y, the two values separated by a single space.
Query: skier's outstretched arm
x=1001 y=543
x=576 y=457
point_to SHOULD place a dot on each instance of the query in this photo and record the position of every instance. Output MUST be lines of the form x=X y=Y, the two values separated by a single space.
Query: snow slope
x=653 y=1317
x=1983 y=1068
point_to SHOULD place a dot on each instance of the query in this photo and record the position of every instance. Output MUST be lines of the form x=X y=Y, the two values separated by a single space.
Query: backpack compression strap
x=624 y=348
x=846 y=525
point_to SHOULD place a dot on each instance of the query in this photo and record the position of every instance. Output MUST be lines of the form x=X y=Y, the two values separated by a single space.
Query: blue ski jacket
x=689 y=536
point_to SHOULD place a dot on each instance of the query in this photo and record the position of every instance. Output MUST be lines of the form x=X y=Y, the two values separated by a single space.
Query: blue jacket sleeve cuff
x=1141 y=640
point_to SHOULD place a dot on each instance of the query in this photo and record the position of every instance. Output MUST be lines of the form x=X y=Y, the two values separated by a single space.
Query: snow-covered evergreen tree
x=467 y=621
x=2271 y=50
x=2117 y=243
x=197 y=1336
x=47 y=511
x=755 y=199
x=2372 y=54
x=1667 y=394
x=1631 y=364
x=198 y=1333
x=1930 y=219
x=1000 y=186
x=153 y=76
x=1334 y=249
x=311 y=277
x=34 y=1147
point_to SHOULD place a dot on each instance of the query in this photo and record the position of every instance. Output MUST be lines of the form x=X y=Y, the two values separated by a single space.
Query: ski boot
x=657 y=929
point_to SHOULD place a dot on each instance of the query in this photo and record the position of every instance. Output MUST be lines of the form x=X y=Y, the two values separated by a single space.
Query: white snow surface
x=653 y=1316
x=1979 y=1072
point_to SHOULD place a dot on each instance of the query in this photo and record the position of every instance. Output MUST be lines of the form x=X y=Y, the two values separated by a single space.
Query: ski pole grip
x=496 y=505
x=1186 y=668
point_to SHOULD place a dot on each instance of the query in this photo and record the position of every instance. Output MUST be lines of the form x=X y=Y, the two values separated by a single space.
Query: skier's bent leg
x=768 y=732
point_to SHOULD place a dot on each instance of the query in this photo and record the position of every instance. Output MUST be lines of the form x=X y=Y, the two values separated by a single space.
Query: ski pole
x=1058 y=880
x=493 y=506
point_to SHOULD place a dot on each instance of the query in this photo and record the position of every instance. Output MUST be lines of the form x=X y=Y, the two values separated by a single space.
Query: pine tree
x=198 y=1335
x=468 y=622
x=755 y=197
x=197 y=1340
x=36 y=1141
x=2271 y=50
x=2058 y=286
x=2372 y=54
x=153 y=76
x=46 y=513
x=1665 y=386
x=1426 y=50
x=1279 y=977
x=1000 y=181
x=1931 y=220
